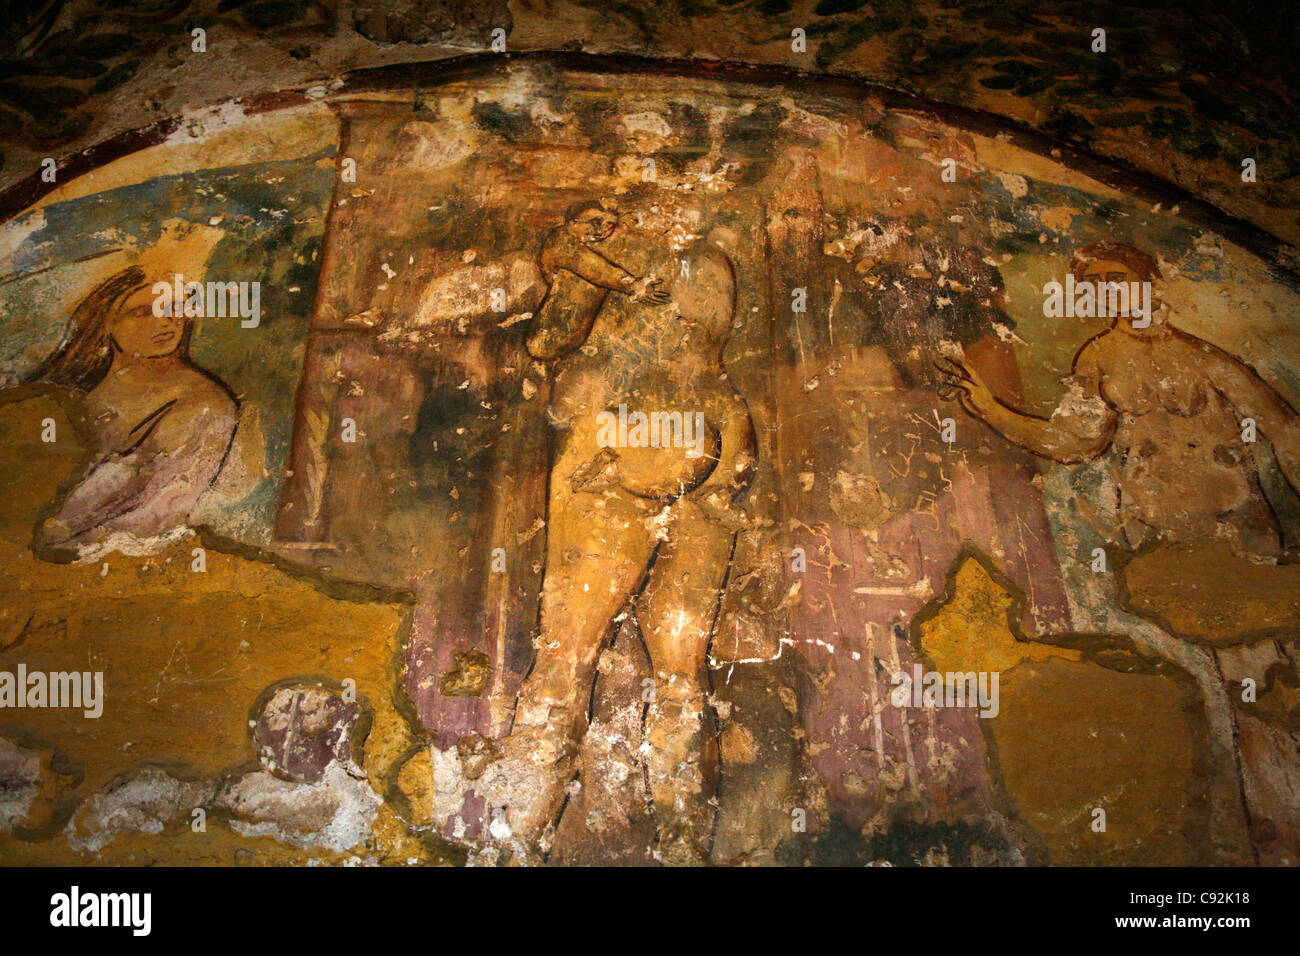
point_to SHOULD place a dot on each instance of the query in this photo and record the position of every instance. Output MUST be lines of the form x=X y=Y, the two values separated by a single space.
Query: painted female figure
x=1180 y=413
x=1174 y=407
x=161 y=426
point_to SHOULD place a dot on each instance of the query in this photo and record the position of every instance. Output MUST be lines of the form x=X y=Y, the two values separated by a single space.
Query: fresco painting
x=611 y=461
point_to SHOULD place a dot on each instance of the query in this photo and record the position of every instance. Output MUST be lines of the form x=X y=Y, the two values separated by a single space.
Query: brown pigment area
x=1073 y=735
x=1205 y=592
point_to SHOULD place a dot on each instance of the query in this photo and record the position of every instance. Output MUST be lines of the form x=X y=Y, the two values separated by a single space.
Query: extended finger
x=953 y=367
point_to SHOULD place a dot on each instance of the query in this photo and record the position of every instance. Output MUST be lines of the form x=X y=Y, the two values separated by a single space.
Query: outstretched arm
x=1080 y=429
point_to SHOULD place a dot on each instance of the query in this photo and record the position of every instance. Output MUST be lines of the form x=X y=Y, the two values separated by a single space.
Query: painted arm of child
x=1252 y=397
x=1080 y=429
x=579 y=279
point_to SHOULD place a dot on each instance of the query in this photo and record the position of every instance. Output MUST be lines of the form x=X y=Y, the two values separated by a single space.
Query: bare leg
x=677 y=612
x=596 y=555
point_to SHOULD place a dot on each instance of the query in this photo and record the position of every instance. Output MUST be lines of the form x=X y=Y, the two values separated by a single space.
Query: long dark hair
x=86 y=354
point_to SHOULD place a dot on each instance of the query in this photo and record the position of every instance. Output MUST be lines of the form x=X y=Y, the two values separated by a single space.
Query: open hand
x=647 y=290
x=961 y=383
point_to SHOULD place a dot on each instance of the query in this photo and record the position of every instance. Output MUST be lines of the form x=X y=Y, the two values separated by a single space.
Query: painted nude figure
x=1172 y=405
x=647 y=531
x=1175 y=408
x=162 y=426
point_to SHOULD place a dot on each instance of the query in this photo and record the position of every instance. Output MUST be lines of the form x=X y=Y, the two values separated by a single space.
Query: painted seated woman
x=159 y=427
x=1174 y=407
x=1181 y=417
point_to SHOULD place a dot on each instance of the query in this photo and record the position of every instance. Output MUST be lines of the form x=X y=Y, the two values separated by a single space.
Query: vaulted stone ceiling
x=1185 y=90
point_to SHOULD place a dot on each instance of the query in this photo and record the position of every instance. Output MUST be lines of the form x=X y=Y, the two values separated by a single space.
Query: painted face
x=1102 y=271
x=593 y=225
x=140 y=333
x=1108 y=270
